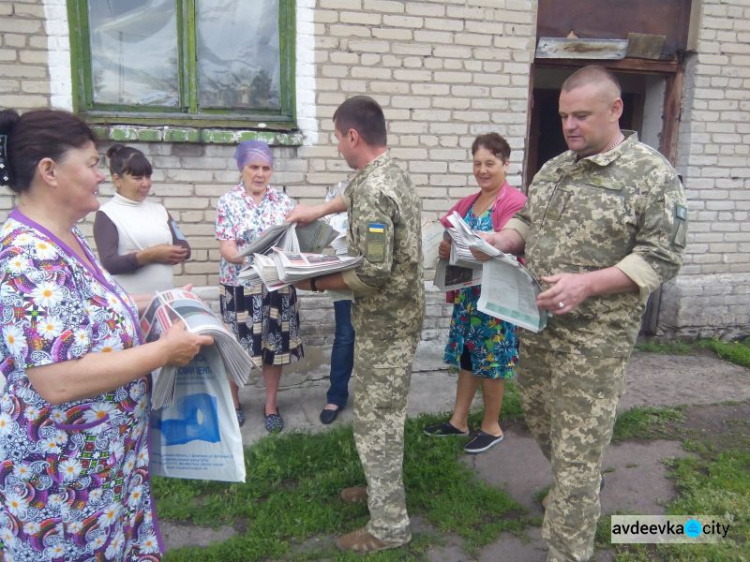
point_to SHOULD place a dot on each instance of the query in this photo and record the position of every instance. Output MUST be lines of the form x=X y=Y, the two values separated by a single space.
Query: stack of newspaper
x=176 y=305
x=281 y=268
x=509 y=291
x=291 y=237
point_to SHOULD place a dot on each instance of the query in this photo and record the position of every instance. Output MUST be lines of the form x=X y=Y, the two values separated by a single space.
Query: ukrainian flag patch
x=375 y=243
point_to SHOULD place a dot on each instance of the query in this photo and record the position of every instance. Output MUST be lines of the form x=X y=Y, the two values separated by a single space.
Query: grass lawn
x=290 y=498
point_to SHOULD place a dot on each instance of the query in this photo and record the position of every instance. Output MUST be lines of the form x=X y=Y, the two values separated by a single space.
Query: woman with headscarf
x=265 y=323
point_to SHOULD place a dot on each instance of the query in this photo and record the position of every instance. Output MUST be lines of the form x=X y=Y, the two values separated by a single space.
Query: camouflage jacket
x=623 y=208
x=385 y=226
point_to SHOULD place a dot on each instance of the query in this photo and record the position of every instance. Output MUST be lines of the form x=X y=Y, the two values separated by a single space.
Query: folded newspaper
x=292 y=237
x=169 y=307
x=509 y=291
x=281 y=269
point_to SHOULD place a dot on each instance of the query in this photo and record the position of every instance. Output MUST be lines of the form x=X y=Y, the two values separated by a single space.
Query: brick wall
x=711 y=295
x=24 y=71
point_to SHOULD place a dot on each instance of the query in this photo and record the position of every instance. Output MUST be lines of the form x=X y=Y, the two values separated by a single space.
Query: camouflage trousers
x=382 y=373
x=570 y=403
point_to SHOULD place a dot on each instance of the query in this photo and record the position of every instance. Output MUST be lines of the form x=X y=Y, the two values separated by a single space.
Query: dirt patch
x=721 y=426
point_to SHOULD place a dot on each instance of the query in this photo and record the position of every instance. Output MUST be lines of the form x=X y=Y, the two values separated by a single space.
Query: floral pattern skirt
x=491 y=342
x=266 y=323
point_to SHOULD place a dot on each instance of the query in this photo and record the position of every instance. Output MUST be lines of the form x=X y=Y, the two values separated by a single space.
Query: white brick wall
x=710 y=297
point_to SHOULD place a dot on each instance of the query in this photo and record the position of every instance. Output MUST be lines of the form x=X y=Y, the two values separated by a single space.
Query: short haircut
x=493 y=142
x=35 y=135
x=364 y=115
x=592 y=74
x=128 y=160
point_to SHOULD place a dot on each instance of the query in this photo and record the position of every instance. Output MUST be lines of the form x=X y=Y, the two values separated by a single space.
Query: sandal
x=274 y=422
x=362 y=542
x=240 y=416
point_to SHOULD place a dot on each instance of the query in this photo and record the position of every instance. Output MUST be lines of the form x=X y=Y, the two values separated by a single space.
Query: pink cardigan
x=508 y=202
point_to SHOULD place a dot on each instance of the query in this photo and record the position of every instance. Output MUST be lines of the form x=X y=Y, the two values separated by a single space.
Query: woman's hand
x=444 y=249
x=168 y=254
x=228 y=250
x=182 y=345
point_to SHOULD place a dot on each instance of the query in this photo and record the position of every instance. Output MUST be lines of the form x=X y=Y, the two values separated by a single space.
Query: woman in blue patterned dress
x=484 y=349
x=74 y=480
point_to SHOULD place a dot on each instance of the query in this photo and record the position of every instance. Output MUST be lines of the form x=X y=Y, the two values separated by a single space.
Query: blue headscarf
x=248 y=151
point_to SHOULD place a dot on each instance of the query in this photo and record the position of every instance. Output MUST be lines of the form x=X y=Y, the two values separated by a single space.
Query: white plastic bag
x=198 y=435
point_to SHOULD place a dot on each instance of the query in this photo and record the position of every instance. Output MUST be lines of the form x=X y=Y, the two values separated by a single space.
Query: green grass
x=712 y=484
x=737 y=352
x=666 y=348
x=734 y=352
x=291 y=496
x=645 y=423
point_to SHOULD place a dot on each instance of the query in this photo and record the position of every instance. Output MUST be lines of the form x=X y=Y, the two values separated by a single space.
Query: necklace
x=481 y=209
x=618 y=139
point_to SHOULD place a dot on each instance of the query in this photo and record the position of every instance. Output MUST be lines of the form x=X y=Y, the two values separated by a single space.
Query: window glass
x=238 y=54
x=134 y=53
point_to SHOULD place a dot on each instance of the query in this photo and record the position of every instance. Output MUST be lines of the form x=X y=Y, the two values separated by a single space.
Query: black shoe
x=328 y=416
x=444 y=429
x=482 y=442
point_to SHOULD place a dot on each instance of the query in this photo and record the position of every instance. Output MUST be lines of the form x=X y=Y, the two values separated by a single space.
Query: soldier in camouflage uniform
x=604 y=226
x=387 y=312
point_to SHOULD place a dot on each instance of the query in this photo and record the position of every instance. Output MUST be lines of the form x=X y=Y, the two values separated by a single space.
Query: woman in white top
x=138 y=241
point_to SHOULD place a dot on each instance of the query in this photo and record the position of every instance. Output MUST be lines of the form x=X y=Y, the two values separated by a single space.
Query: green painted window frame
x=283 y=120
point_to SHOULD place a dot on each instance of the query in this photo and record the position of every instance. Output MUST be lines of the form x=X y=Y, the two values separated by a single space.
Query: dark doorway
x=545 y=133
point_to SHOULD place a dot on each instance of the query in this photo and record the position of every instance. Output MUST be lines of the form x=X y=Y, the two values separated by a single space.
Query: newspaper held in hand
x=462 y=269
x=281 y=269
x=453 y=277
x=509 y=292
x=292 y=237
x=170 y=307
x=462 y=237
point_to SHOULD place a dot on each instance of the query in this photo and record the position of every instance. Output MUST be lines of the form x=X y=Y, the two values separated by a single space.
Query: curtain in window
x=134 y=56
x=238 y=54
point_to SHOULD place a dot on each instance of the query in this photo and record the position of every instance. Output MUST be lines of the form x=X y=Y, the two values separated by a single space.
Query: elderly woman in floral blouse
x=74 y=458
x=265 y=323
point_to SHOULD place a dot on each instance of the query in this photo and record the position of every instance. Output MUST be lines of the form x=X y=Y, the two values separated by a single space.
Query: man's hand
x=490 y=239
x=568 y=290
x=302 y=214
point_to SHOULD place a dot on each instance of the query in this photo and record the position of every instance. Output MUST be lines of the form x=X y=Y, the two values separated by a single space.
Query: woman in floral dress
x=74 y=480
x=265 y=323
x=483 y=349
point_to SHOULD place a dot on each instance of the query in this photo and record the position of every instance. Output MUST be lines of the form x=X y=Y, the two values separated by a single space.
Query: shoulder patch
x=375 y=243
